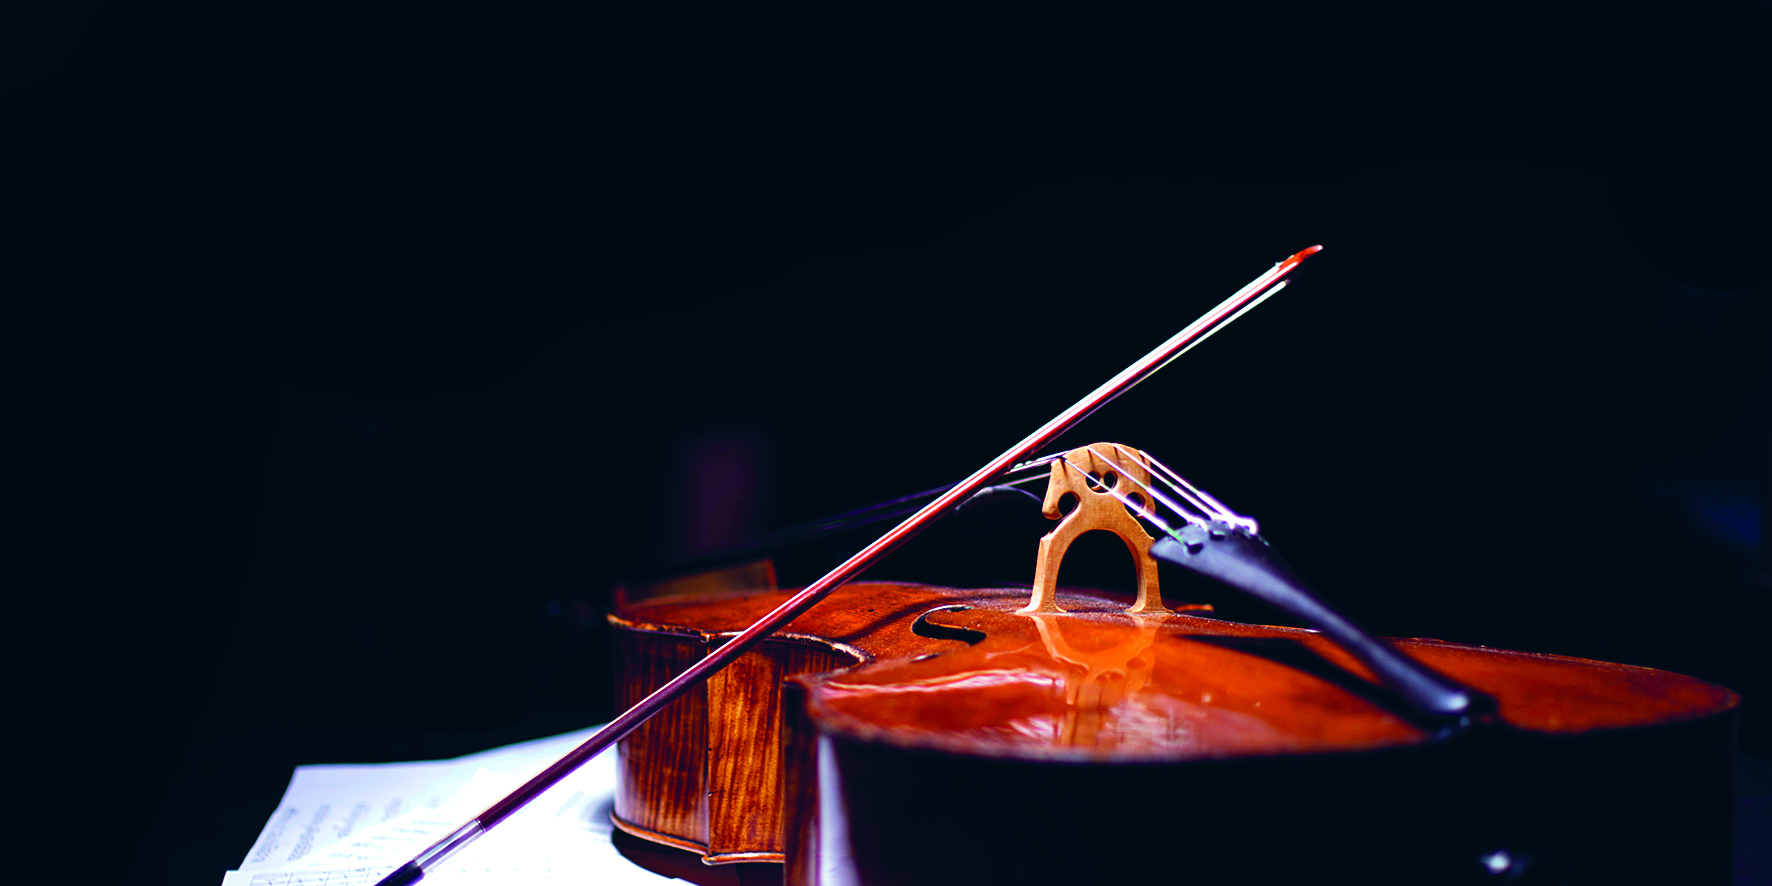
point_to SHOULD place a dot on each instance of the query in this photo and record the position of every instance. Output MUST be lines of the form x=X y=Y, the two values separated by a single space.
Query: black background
x=357 y=344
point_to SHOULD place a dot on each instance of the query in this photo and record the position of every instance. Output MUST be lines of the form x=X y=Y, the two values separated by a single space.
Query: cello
x=916 y=734
x=905 y=733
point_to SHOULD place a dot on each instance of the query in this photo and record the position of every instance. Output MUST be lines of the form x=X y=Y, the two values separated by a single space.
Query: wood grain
x=661 y=768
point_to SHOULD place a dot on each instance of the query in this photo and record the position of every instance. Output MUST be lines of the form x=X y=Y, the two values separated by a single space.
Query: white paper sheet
x=562 y=835
x=327 y=803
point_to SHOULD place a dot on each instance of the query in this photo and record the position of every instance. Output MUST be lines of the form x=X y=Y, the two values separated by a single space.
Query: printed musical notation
x=528 y=873
x=352 y=877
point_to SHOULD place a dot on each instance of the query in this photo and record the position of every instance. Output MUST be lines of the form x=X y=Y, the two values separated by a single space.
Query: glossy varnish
x=1090 y=685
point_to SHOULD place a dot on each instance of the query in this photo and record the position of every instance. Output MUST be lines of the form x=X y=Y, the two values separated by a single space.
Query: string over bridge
x=1094 y=475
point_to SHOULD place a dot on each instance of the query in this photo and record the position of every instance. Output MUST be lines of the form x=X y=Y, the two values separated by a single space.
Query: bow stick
x=1230 y=309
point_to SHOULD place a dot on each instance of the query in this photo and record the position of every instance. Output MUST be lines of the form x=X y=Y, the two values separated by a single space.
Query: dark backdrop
x=363 y=349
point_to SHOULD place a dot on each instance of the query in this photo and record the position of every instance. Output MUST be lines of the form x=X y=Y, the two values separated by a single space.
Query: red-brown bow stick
x=1260 y=288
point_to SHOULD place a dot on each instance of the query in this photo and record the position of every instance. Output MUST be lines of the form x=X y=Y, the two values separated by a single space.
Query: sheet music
x=350 y=825
x=326 y=803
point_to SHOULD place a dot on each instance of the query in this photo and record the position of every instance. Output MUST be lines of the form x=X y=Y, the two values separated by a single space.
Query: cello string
x=1235 y=519
x=1206 y=512
x=1187 y=494
x=1147 y=513
x=1219 y=507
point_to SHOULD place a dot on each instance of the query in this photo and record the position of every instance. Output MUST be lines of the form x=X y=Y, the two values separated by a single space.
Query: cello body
x=915 y=734
x=901 y=733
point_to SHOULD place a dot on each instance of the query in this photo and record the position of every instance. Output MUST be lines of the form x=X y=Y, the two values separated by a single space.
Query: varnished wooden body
x=704 y=774
x=886 y=741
